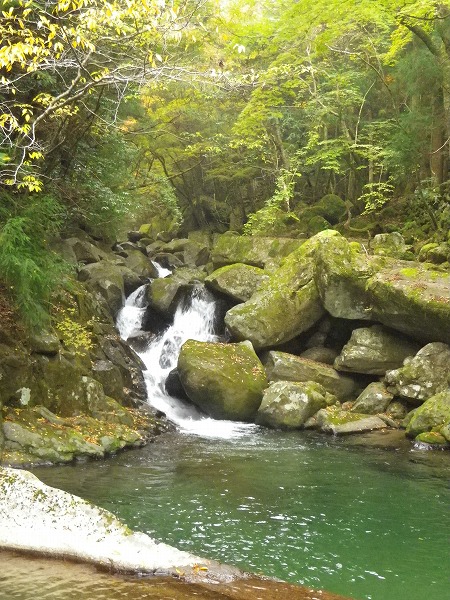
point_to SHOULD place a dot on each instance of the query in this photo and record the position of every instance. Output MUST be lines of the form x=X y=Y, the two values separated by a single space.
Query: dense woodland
x=218 y=114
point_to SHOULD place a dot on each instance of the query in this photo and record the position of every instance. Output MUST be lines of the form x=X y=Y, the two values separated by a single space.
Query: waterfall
x=193 y=320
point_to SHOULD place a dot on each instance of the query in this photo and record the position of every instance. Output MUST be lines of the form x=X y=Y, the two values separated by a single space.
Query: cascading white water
x=129 y=320
x=192 y=321
x=162 y=271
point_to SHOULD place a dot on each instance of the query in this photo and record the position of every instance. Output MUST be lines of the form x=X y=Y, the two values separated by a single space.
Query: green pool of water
x=327 y=513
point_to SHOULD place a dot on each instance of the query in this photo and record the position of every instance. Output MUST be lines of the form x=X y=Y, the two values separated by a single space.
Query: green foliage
x=375 y=195
x=76 y=337
x=262 y=222
x=27 y=265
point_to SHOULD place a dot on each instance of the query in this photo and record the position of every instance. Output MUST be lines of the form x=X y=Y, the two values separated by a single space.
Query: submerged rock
x=288 y=405
x=289 y=367
x=374 y=350
x=423 y=375
x=225 y=380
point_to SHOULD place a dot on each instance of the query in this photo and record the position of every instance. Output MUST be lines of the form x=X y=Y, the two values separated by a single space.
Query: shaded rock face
x=373 y=400
x=288 y=405
x=226 y=381
x=422 y=376
x=374 y=350
x=238 y=281
x=390 y=244
x=281 y=366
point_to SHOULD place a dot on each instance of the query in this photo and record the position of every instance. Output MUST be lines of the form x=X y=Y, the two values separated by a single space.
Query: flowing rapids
x=193 y=320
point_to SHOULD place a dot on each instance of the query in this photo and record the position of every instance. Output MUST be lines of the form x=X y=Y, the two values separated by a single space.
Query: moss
x=410 y=272
x=337 y=416
x=431 y=437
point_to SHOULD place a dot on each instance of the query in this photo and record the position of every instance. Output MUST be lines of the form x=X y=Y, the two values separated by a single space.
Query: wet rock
x=165 y=294
x=340 y=422
x=174 y=387
x=373 y=400
x=434 y=414
x=281 y=366
x=137 y=262
x=167 y=260
x=238 y=281
x=107 y=280
x=374 y=350
x=288 y=405
x=225 y=380
x=422 y=376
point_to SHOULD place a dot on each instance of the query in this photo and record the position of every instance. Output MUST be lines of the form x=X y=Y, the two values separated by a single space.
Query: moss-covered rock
x=108 y=280
x=164 y=294
x=286 y=304
x=431 y=437
x=251 y=250
x=140 y=264
x=332 y=207
x=390 y=244
x=434 y=414
x=341 y=422
x=341 y=275
x=225 y=380
x=423 y=375
x=239 y=281
x=38 y=435
x=435 y=253
x=317 y=224
x=374 y=350
x=412 y=298
x=373 y=400
x=288 y=405
x=281 y=366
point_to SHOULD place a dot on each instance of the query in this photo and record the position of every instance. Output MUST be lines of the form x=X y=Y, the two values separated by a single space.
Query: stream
x=363 y=516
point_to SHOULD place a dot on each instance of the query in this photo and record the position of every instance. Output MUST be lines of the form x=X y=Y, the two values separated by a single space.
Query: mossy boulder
x=239 y=281
x=390 y=244
x=282 y=366
x=341 y=274
x=332 y=207
x=226 y=381
x=256 y=251
x=341 y=422
x=317 y=224
x=374 y=350
x=288 y=405
x=286 y=304
x=373 y=400
x=412 y=298
x=434 y=414
x=140 y=264
x=433 y=438
x=110 y=281
x=164 y=294
x=435 y=253
x=423 y=375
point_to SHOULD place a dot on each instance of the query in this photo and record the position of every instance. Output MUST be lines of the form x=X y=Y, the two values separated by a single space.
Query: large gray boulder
x=281 y=366
x=140 y=264
x=373 y=400
x=225 y=380
x=239 y=281
x=288 y=405
x=434 y=414
x=390 y=244
x=423 y=375
x=374 y=350
x=230 y=248
x=285 y=305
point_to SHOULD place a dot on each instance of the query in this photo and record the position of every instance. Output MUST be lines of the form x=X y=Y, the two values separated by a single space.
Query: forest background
x=264 y=117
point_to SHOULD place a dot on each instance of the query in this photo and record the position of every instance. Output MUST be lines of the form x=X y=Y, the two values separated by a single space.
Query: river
x=366 y=517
